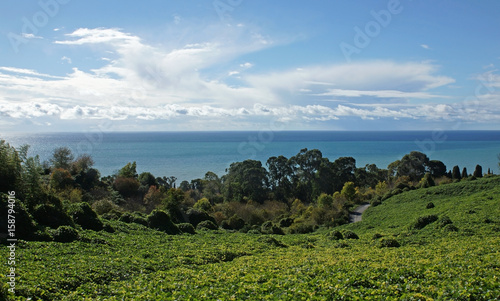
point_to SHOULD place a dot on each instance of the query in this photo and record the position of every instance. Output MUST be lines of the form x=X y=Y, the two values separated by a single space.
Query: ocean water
x=189 y=155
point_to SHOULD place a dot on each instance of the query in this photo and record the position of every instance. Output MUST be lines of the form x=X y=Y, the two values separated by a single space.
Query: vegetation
x=432 y=235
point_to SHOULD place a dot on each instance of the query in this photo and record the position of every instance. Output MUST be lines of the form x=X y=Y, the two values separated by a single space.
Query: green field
x=456 y=257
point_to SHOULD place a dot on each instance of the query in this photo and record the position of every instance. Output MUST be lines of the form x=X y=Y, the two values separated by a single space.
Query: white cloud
x=66 y=59
x=148 y=82
x=425 y=46
x=30 y=36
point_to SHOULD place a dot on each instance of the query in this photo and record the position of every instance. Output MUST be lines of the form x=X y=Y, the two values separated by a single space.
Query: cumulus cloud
x=138 y=80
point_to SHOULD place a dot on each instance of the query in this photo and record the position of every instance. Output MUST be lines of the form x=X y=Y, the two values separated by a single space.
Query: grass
x=137 y=263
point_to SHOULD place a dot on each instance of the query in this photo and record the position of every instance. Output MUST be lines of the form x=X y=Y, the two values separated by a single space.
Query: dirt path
x=355 y=216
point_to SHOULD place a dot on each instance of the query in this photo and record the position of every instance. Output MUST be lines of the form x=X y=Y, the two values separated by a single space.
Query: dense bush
x=51 y=216
x=133 y=218
x=84 y=216
x=348 y=234
x=25 y=225
x=196 y=216
x=335 y=235
x=270 y=228
x=65 y=234
x=423 y=221
x=301 y=228
x=233 y=223
x=161 y=221
x=286 y=222
x=207 y=225
x=389 y=243
x=186 y=228
x=443 y=221
x=430 y=205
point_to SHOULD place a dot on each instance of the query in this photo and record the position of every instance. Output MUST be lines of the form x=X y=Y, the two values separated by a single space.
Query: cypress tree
x=455 y=174
x=464 y=173
x=478 y=172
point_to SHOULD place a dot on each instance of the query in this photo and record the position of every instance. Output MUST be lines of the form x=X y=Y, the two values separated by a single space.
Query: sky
x=196 y=65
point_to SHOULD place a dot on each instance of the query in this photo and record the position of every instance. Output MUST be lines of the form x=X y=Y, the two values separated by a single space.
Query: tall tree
x=247 y=179
x=478 y=172
x=413 y=165
x=62 y=157
x=464 y=173
x=455 y=174
x=437 y=168
x=280 y=174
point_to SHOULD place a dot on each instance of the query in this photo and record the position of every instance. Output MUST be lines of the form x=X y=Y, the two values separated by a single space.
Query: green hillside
x=472 y=206
x=453 y=258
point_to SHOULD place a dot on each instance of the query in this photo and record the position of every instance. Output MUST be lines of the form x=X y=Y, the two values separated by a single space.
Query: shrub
x=207 y=225
x=423 y=221
x=104 y=206
x=430 y=205
x=377 y=236
x=161 y=221
x=286 y=222
x=84 y=216
x=203 y=204
x=335 y=235
x=51 y=216
x=196 y=216
x=253 y=231
x=126 y=186
x=348 y=234
x=65 y=234
x=233 y=223
x=108 y=228
x=25 y=225
x=270 y=228
x=443 y=221
x=301 y=228
x=375 y=202
x=186 y=228
x=389 y=243
x=112 y=215
x=133 y=218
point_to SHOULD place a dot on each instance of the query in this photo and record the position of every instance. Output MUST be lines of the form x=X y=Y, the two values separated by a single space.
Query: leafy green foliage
x=423 y=221
x=207 y=225
x=186 y=228
x=65 y=234
x=84 y=216
x=161 y=221
x=52 y=216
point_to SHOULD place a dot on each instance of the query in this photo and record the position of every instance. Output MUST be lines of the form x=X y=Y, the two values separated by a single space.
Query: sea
x=189 y=155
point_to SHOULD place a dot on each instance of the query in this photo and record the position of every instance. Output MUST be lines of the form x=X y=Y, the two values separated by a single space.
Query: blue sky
x=69 y=65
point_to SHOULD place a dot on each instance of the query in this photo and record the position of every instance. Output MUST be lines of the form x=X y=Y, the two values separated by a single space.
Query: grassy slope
x=137 y=263
x=473 y=206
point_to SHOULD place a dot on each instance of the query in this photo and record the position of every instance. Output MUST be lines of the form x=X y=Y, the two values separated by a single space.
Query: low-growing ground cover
x=431 y=262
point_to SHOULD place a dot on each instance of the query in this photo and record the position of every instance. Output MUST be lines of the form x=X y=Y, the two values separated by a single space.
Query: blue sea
x=189 y=155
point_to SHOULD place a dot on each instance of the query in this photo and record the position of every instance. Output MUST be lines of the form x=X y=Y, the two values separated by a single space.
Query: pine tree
x=478 y=172
x=455 y=174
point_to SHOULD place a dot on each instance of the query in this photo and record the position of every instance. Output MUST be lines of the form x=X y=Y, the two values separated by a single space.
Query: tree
x=247 y=179
x=82 y=164
x=147 y=179
x=62 y=157
x=128 y=171
x=344 y=168
x=437 y=168
x=464 y=173
x=478 y=172
x=280 y=173
x=455 y=174
x=10 y=168
x=349 y=191
x=413 y=165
